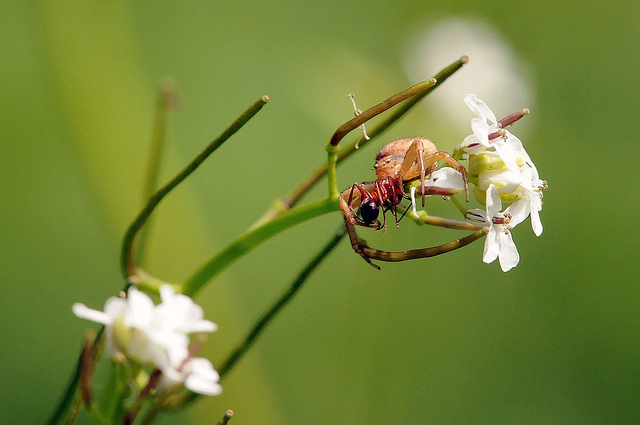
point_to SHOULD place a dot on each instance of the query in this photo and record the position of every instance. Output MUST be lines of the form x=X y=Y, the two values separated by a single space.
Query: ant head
x=369 y=210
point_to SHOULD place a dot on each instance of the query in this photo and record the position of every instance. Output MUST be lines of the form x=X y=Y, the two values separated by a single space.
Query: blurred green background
x=445 y=340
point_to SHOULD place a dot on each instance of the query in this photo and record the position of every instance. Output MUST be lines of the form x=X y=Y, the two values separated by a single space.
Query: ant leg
x=347 y=209
x=349 y=221
x=456 y=166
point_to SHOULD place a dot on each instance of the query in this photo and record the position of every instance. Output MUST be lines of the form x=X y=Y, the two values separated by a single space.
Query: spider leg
x=415 y=152
x=456 y=166
x=350 y=219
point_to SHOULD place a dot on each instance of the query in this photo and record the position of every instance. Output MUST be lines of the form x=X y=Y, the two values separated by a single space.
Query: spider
x=398 y=162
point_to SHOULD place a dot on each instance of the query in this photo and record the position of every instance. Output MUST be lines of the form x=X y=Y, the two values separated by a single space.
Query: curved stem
x=413 y=254
x=168 y=100
x=273 y=311
x=291 y=199
x=381 y=107
x=284 y=299
x=254 y=237
x=332 y=178
x=128 y=260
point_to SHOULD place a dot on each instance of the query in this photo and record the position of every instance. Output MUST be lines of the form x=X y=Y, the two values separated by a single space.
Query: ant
x=398 y=162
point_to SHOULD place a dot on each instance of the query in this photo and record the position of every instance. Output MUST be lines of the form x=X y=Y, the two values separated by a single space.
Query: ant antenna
x=357 y=112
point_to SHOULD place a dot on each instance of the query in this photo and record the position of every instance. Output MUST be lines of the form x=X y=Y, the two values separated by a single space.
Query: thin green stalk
x=268 y=317
x=252 y=239
x=168 y=100
x=71 y=390
x=277 y=307
x=225 y=419
x=128 y=261
x=332 y=178
x=68 y=396
x=432 y=220
x=458 y=205
x=291 y=199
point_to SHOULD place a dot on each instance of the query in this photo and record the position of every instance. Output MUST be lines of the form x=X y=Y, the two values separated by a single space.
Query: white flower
x=531 y=201
x=506 y=145
x=127 y=326
x=499 y=243
x=146 y=333
x=197 y=374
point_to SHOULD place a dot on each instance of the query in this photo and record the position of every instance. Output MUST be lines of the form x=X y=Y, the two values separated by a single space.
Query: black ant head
x=369 y=211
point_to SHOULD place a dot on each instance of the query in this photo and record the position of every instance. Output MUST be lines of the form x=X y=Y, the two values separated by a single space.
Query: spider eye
x=369 y=210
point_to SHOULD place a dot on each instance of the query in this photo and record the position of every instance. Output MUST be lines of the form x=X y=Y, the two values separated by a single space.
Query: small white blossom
x=499 y=243
x=507 y=146
x=154 y=334
x=196 y=373
x=503 y=163
x=531 y=202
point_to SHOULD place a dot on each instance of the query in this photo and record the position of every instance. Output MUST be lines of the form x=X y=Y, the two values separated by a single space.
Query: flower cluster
x=502 y=170
x=157 y=335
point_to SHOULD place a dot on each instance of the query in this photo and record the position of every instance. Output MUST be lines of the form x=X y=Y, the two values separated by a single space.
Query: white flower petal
x=481 y=131
x=203 y=379
x=505 y=181
x=148 y=333
x=493 y=202
x=413 y=202
x=481 y=109
x=478 y=217
x=536 y=223
x=115 y=307
x=84 y=312
x=180 y=313
x=446 y=178
x=509 y=257
x=508 y=155
x=491 y=247
x=519 y=211
x=140 y=310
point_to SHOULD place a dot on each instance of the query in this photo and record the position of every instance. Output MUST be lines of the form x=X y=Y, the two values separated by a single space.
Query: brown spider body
x=412 y=158
x=392 y=155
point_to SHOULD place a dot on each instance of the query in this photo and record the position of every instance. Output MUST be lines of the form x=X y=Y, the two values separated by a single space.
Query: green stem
x=381 y=107
x=167 y=101
x=128 y=260
x=284 y=299
x=273 y=311
x=68 y=396
x=332 y=179
x=291 y=199
x=71 y=390
x=432 y=220
x=225 y=419
x=254 y=237
x=458 y=205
